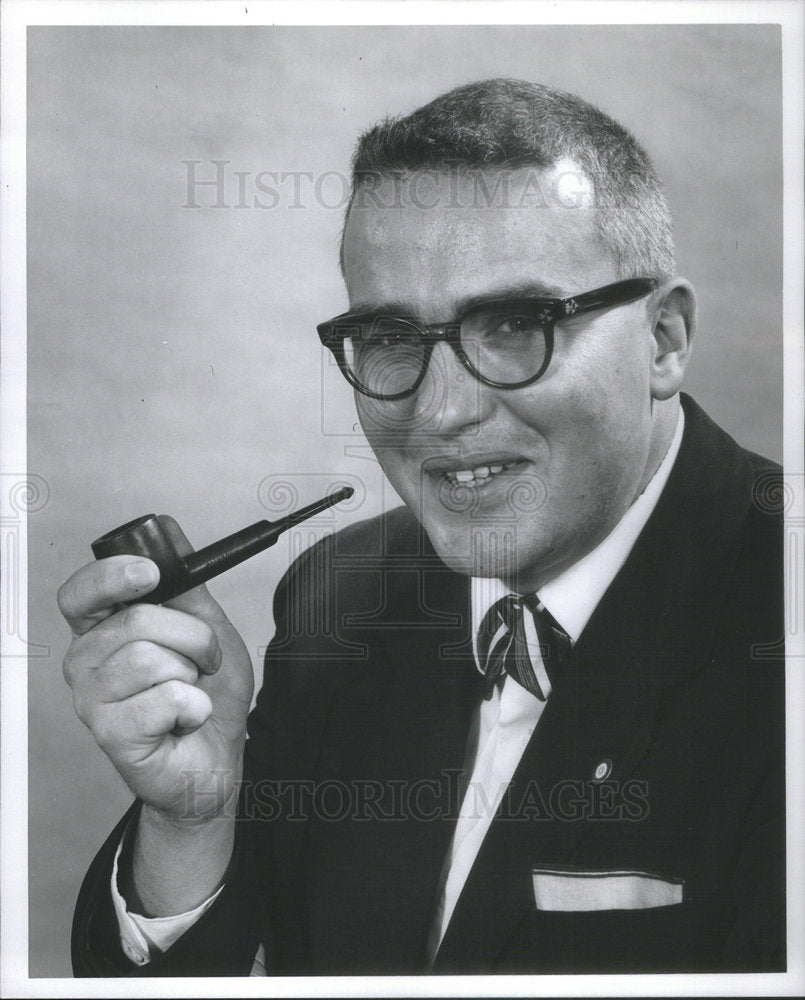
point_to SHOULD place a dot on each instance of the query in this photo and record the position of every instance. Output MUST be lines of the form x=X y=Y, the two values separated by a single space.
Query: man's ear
x=674 y=326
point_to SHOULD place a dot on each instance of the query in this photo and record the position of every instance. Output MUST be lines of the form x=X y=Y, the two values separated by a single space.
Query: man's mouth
x=478 y=475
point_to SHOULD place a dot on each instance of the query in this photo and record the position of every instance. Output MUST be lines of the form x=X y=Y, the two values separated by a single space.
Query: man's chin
x=477 y=550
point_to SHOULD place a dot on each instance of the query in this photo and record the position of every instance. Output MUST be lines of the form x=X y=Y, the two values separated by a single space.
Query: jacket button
x=602 y=770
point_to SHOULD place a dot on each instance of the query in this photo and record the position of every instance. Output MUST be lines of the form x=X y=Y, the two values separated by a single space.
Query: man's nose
x=450 y=399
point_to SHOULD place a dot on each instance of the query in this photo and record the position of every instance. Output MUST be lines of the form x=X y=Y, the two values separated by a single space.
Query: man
x=526 y=723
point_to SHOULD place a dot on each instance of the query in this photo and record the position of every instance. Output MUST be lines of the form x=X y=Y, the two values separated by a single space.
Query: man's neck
x=665 y=417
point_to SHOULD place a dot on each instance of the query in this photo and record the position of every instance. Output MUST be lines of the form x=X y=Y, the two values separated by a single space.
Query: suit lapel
x=400 y=727
x=652 y=629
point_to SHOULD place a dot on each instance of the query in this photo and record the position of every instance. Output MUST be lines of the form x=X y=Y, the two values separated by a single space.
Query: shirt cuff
x=141 y=938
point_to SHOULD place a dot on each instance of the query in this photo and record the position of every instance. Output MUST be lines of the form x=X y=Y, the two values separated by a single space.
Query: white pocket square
x=602 y=890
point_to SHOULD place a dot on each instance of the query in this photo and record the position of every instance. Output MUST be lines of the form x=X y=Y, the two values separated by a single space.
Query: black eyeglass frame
x=549 y=311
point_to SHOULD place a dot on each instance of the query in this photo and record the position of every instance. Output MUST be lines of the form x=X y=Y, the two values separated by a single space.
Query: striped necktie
x=503 y=648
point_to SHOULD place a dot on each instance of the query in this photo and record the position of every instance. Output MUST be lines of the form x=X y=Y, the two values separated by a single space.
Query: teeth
x=475 y=477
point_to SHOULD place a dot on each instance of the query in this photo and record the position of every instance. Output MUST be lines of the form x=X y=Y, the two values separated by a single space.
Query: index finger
x=94 y=592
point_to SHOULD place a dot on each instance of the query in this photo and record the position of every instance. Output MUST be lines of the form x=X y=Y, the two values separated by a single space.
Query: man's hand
x=165 y=691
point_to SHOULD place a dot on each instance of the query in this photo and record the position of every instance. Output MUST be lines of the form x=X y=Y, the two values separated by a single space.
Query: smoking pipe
x=146 y=536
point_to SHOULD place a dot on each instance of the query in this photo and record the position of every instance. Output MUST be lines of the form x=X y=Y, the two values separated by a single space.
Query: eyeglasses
x=504 y=343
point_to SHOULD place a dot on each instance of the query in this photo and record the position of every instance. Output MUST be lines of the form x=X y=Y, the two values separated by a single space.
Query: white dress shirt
x=500 y=731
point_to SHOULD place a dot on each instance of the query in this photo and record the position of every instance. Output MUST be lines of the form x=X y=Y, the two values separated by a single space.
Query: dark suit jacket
x=359 y=735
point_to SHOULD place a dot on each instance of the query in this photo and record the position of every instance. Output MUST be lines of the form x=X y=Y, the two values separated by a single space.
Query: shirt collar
x=573 y=595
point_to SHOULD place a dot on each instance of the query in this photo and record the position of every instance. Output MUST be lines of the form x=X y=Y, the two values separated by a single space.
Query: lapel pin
x=602 y=770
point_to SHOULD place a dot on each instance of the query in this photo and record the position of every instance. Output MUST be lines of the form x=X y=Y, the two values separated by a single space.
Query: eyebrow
x=519 y=290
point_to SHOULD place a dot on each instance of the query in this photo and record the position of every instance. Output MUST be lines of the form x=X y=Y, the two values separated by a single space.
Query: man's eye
x=513 y=328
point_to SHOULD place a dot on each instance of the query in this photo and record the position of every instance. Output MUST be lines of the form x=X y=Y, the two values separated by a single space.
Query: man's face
x=573 y=450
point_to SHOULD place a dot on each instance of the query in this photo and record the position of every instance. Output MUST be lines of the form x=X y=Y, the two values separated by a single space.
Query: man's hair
x=510 y=124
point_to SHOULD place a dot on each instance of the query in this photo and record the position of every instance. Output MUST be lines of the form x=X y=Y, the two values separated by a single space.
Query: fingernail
x=141 y=574
x=216 y=664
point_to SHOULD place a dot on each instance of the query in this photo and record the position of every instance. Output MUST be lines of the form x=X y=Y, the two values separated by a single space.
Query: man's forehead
x=444 y=233
x=469 y=195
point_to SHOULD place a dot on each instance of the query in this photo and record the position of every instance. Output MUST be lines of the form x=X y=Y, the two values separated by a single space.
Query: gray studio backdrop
x=173 y=361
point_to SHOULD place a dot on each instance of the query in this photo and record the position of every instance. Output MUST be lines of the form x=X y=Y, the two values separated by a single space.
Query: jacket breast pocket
x=623 y=921
x=568 y=890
